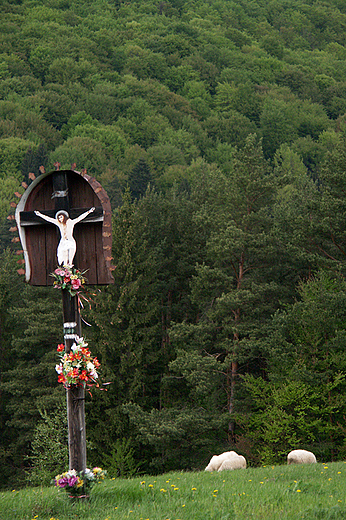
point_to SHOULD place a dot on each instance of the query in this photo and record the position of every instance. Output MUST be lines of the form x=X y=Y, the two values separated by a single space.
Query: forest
x=218 y=130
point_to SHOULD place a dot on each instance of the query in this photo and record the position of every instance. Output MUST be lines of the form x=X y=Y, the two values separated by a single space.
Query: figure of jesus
x=67 y=245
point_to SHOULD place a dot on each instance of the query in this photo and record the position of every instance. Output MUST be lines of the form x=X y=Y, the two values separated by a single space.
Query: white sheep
x=217 y=460
x=301 y=457
x=238 y=462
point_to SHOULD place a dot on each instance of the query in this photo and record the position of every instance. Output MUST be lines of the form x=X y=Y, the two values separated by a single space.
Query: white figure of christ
x=67 y=245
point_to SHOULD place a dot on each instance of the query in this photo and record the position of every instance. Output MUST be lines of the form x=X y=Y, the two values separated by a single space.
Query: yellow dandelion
x=261 y=482
x=214 y=495
x=163 y=490
x=183 y=505
x=329 y=479
x=339 y=500
x=143 y=482
x=150 y=485
x=175 y=489
x=194 y=489
x=250 y=480
x=172 y=485
x=215 y=491
x=339 y=472
x=299 y=490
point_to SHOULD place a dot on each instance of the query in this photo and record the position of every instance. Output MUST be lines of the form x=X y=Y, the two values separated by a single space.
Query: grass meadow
x=304 y=492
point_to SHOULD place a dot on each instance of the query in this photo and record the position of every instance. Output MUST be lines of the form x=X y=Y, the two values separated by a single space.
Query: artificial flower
x=77 y=367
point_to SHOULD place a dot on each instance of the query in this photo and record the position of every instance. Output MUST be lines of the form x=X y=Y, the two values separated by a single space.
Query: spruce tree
x=31 y=329
x=236 y=288
x=139 y=179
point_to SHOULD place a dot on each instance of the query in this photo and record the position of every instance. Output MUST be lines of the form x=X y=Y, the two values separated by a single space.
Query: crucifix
x=64 y=217
x=65 y=203
x=67 y=245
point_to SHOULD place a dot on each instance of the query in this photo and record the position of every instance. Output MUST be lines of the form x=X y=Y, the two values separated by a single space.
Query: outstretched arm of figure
x=83 y=215
x=45 y=217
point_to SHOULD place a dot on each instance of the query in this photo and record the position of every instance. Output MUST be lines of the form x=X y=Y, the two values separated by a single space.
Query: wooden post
x=75 y=396
x=73 y=192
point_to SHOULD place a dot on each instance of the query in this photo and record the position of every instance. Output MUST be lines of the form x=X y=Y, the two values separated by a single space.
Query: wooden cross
x=44 y=243
x=73 y=192
x=62 y=203
x=75 y=396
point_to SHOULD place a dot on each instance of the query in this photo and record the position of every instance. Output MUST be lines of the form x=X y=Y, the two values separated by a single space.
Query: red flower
x=60 y=347
x=84 y=376
x=61 y=378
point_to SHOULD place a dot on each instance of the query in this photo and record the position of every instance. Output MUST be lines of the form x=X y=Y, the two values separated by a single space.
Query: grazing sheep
x=217 y=460
x=301 y=457
x=238 y=462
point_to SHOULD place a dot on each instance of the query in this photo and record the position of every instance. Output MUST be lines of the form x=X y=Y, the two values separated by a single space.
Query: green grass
x=304 y=492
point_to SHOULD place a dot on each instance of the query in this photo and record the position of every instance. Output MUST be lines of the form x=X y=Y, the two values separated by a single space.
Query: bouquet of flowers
x=79 y=484
x=77 y=367
x=69 y=278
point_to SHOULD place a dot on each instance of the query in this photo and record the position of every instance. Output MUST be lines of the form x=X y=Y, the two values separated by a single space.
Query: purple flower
x=72 y=481
x=62 y=482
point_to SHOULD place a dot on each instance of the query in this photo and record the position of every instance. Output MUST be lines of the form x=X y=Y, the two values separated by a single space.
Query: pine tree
x=236 y=288
x=302 y=400
x=31 y=329
x=126 y=332
x=139 y=179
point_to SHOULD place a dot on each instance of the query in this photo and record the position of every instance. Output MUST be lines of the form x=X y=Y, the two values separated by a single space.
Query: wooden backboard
x=40 y=239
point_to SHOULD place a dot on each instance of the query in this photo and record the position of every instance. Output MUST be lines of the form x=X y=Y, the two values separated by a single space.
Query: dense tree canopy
x=218 y=130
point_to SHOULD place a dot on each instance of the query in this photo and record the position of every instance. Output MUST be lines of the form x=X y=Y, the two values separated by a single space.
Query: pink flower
x=75 y=284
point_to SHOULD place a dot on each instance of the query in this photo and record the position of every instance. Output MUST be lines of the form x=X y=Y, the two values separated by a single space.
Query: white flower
x=89 y=475
x=81 y=342
x=59 y=369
